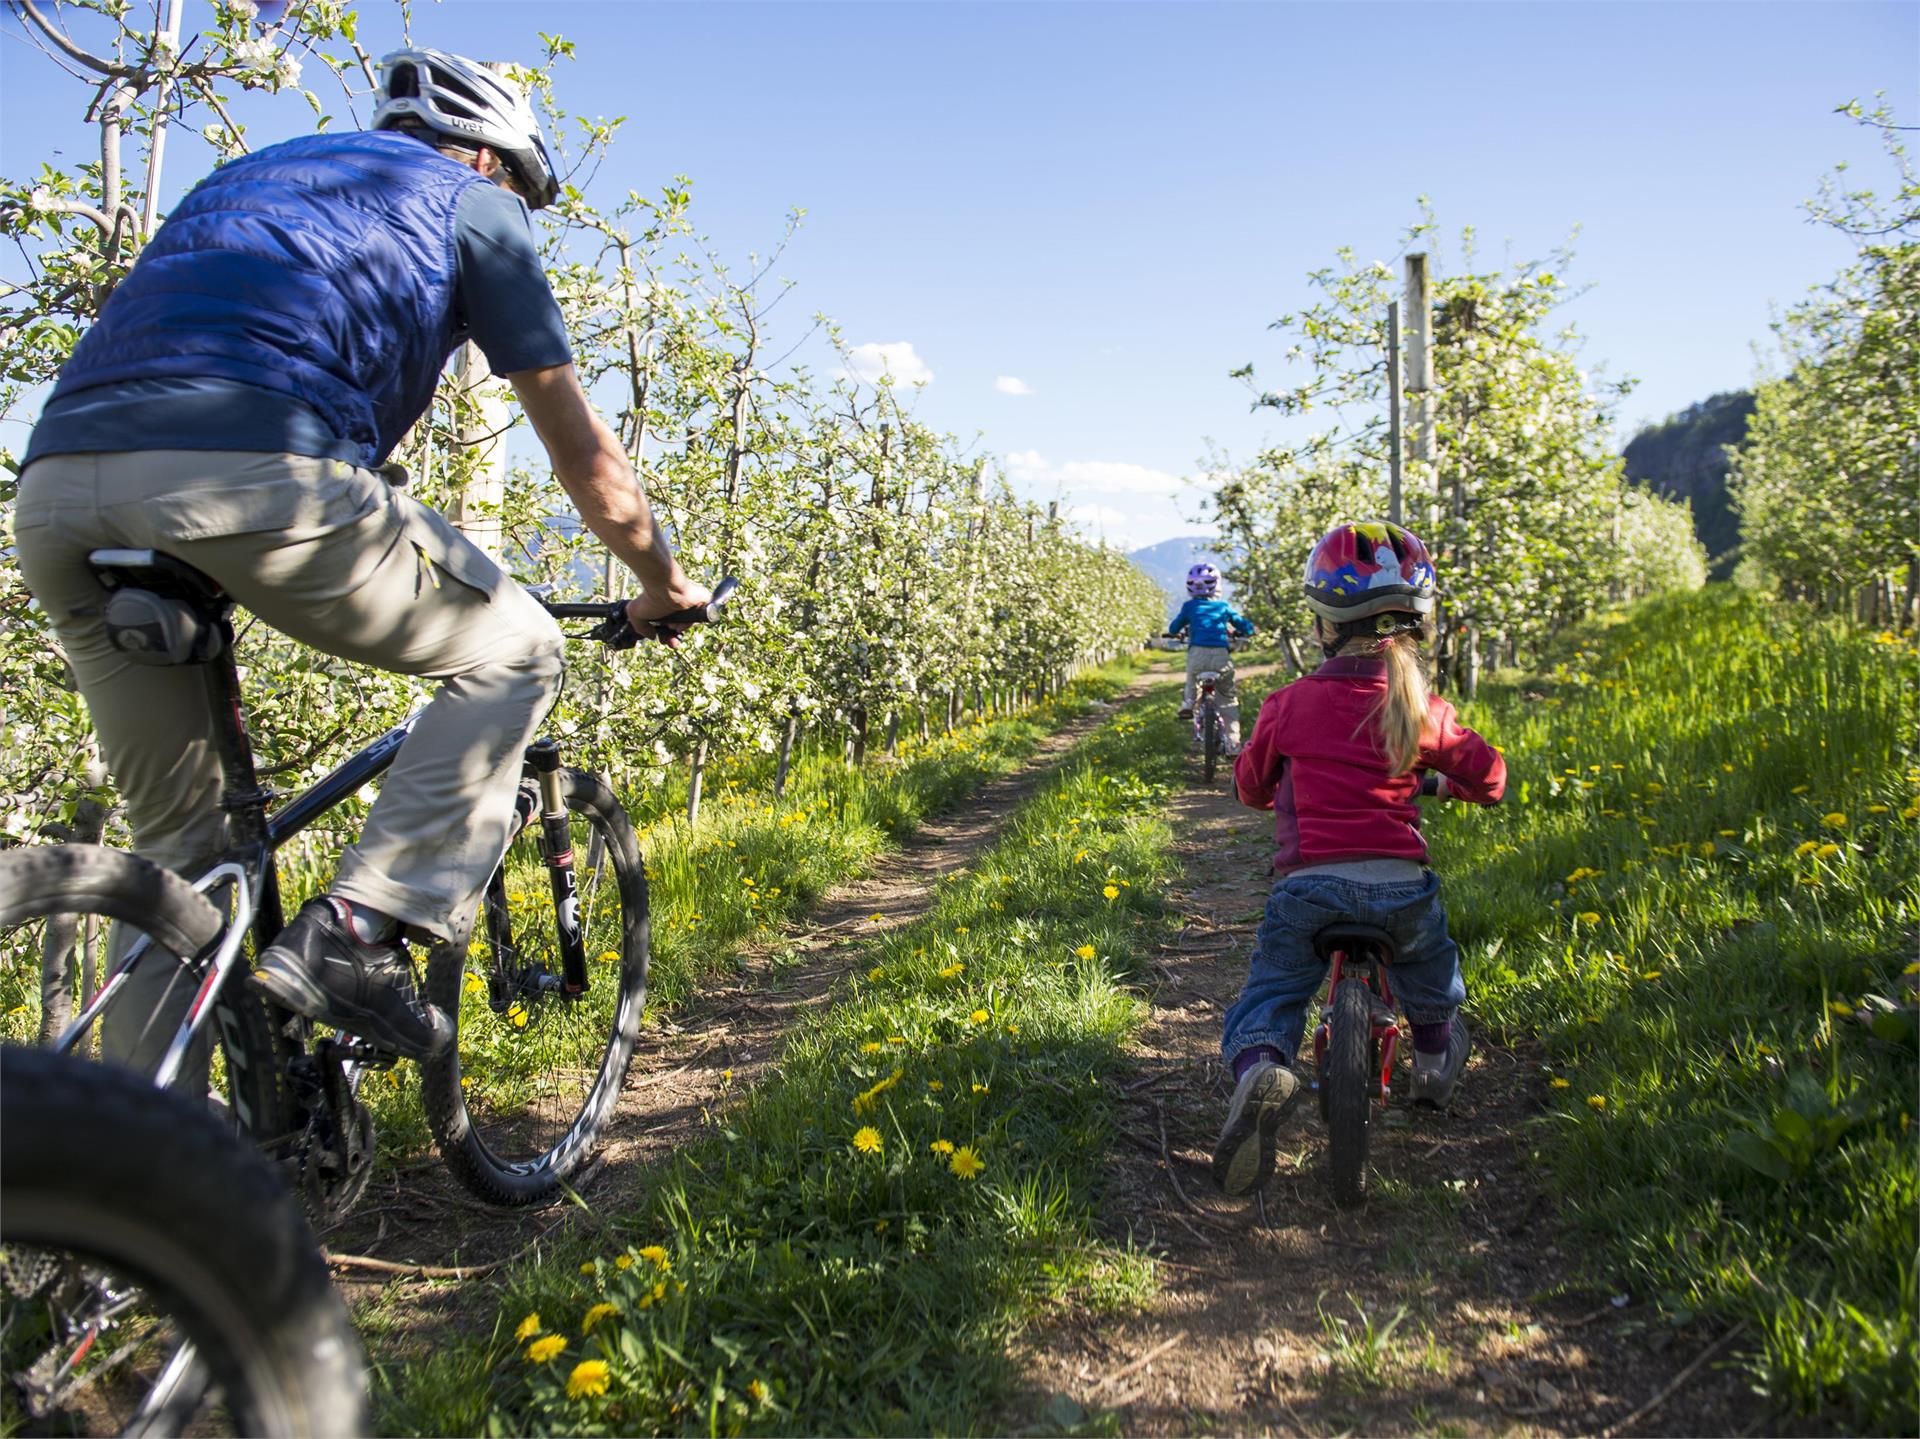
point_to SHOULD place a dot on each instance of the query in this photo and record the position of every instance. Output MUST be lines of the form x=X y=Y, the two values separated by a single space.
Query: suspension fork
x=556 y=847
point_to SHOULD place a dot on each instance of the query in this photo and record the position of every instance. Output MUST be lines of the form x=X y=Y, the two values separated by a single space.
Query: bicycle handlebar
x=616 y=632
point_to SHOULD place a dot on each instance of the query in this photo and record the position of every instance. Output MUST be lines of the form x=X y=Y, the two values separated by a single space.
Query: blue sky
x=1109 y=202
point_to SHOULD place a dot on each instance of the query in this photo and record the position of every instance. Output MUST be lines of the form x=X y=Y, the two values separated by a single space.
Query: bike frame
x=248 y=865
x=1386 y=1033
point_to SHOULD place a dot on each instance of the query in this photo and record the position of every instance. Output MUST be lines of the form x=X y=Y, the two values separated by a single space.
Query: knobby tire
x=1347 y=1090
x=488 y=1149
x=102 y=1173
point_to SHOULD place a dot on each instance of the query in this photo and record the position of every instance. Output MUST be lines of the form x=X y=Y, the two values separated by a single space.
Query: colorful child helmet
x=1366 y=568
x=1203 y=581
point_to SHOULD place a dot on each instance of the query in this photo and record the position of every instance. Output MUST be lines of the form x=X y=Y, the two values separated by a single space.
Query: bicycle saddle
x=162 y=611
x=1357 y=940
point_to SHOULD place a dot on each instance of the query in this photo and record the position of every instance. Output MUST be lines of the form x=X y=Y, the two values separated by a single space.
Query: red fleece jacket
x=1314 y=761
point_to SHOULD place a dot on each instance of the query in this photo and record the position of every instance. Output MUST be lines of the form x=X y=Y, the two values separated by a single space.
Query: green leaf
x=1761 y=1156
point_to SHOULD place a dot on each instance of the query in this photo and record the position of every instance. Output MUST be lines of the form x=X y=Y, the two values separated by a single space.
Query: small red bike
x=1354 y=1047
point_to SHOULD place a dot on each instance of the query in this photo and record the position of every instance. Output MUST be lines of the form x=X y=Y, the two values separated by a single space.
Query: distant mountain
x=1684 y=457
x=1166 y=563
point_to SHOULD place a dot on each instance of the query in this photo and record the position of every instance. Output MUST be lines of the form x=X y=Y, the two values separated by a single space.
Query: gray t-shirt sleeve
x=502 y=296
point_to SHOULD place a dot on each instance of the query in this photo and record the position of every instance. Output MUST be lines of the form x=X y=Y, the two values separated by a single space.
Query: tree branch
x=65 y=45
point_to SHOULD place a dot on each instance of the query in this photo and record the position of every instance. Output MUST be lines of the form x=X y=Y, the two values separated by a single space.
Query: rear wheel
x=518 y=1104
x=1347 y=1084
x=155 y=1275
x=1212 y=743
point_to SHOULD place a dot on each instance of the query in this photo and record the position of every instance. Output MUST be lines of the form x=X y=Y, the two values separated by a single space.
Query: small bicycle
x=547 y=996
x=1356 y=1042
x=1209 y=728
x=1354 y=1047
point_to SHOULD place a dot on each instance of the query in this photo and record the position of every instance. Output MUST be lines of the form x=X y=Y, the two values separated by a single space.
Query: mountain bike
x=158 y=1279
x=546 y=994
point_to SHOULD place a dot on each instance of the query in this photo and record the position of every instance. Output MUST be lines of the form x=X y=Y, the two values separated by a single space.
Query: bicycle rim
x=519 y=1104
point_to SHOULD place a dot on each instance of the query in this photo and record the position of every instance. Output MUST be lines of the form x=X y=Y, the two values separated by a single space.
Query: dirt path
x=723 y=1041
x=1441 y=1307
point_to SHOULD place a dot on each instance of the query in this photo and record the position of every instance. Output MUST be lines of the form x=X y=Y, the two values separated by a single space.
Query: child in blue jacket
x=1210 y=623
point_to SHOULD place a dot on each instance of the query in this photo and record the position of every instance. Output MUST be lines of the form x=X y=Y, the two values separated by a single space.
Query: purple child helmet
x=1203 y=581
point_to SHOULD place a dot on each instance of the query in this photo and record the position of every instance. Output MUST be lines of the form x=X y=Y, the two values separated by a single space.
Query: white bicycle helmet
x=471 y=105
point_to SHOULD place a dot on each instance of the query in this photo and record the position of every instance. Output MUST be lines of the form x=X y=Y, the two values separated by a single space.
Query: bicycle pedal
x=366 y=1055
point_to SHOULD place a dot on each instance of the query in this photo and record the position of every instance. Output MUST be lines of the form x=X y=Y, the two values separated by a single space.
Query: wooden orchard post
x=1419 y=365
x=1393 y=411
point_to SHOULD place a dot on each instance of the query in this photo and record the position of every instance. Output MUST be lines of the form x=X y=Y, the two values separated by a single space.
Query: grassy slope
x=804 y=1283
x=1703 y=881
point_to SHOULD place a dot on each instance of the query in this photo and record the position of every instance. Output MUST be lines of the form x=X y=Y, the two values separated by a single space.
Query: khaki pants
x=335 y=557
x=1211 y=657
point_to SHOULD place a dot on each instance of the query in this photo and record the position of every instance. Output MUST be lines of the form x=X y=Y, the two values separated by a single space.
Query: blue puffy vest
x=322 y=268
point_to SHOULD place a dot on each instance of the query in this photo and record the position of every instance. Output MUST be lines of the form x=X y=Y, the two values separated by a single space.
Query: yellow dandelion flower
x=979 y=1016
x=1111 y=891
x=527 y=1328
x=1562 y=1083
x=875 y=974
x=1588 y=916
x=1912 y=811
x=875 y=918
x=1728 y=833
x=935 y=1085
x=1836 y=820
x=1651 y=973
x=659 y=1291
x=625 y=1261
x=541 y=1350
x=1707 y=849
x=1878 y=808
x=941 y=1146
x=872 y=1046
x=953 y=971
x=756 y=1391
x=586 y=1268
x=1085 y=951
x=866 y=1139
x=656 y=1255
x=965 y=1163
x=1596 y=1101
x=589 y=1379
x=1805 y=848
x=896 y=1039
x=1840 y=1008
x=1826 y=851
x=1800 y=789
x=594 y=1315
x=980 y=1089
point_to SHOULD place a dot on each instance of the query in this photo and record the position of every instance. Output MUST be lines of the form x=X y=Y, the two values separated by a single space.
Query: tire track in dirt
x=1263 y=1317
x=724 y=1040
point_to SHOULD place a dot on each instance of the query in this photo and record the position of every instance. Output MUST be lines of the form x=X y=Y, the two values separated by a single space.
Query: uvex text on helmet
x=471 y=104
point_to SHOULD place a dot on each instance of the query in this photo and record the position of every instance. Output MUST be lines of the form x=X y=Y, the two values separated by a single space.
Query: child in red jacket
x=1339 y=757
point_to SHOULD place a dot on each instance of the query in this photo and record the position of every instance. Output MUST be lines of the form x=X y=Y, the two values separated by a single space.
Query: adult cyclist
x=1211 y=623
x=232 y=407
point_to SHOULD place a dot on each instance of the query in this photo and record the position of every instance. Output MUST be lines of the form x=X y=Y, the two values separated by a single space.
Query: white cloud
x=1090 y=477
x=1010 y=385
x=872 y=363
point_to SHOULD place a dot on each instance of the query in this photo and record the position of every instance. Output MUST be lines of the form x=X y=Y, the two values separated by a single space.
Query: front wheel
x=155 y=1275
x=1347 y=1087
x=518 y=1104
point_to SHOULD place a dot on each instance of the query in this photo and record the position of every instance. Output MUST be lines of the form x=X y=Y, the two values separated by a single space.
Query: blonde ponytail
x=1400 y=719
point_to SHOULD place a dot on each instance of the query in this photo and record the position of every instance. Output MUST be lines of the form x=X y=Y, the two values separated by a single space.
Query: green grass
x=825 y=1258
x=1702 y=882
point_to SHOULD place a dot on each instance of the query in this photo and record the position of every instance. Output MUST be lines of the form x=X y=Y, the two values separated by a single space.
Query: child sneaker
x=1434 y=1087
x=1243 y=1157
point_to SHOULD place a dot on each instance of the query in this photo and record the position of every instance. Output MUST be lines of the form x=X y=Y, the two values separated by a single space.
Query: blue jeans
x=1286 y=974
